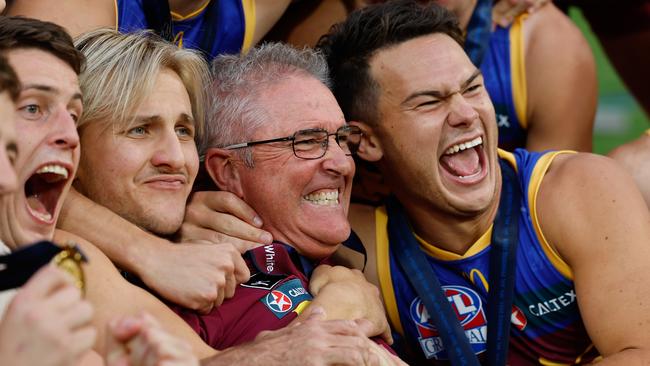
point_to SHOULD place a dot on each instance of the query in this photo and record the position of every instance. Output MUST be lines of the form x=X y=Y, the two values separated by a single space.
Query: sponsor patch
x=468 y=307
x=286 y=297
x=263 y=281
x=518 y=318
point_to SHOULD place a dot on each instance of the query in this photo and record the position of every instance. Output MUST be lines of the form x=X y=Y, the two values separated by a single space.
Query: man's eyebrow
x=187 y=118
x=50 y=90
x=469 y=80
x=439 y=94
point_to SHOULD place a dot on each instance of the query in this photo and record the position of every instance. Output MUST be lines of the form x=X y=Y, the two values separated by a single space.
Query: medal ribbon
x=421 y=276
x=479 y=30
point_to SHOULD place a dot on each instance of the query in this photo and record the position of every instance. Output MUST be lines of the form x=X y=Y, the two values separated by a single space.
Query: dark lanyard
x=19 y=266
x=421 y=276
x=479 y=30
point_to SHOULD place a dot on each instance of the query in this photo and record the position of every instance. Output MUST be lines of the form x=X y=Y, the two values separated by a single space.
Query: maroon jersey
x=275 y=294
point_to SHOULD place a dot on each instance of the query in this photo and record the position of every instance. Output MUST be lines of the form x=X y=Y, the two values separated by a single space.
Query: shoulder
x=587 y=199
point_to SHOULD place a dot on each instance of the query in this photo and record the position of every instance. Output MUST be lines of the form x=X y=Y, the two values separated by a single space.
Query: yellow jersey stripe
x=535 y=181
x=518 y=69
x=383 y=270
x=249 y=19
x=178 y=17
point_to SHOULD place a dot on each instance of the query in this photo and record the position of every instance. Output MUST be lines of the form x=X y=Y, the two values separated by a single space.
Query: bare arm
x=591 y=211
x=215 y=268
x=561 y=83
x=635 y=158
x=76 y=16
x=112 y=295
x=267 y=13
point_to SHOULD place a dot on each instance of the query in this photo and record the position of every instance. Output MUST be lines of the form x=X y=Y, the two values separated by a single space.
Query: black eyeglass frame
x=352 y=130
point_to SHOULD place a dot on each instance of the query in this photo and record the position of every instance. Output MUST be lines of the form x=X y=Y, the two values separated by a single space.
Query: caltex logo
x=278 y=301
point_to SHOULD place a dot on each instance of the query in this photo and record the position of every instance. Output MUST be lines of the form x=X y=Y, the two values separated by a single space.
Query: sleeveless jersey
x=504 y=74
x=546 y=323
x=224 y=26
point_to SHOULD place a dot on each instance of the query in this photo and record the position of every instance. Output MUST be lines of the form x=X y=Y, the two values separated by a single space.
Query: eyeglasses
x=312 y=143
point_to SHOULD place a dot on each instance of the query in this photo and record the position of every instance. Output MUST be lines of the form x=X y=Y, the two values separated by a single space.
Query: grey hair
x=121 y=70
x=238 y=81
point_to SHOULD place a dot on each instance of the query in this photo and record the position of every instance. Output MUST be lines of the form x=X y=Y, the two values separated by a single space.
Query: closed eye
x=473 y=88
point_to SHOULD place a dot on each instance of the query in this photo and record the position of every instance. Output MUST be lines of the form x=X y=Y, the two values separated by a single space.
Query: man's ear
x=370 y=147
x=222 y=168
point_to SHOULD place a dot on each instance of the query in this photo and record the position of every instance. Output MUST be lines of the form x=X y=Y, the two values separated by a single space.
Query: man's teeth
x=45 y=216
x=460 y=147
x=54 y=169
x=323 y=198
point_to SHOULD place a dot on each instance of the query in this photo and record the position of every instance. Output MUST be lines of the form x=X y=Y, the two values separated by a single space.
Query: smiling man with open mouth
x=48 y=106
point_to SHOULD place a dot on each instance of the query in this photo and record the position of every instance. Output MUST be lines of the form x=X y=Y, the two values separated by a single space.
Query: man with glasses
x=291 y=162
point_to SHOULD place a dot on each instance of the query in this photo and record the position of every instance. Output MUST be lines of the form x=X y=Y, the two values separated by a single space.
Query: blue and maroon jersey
x=546 y=324
x=273 y=297
x=504 y=73
x=218 y=27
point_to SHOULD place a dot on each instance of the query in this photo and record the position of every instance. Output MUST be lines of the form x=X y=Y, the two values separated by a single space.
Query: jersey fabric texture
x=218 y=27
x=504 y=74
x=546 y=323
x=274 y=296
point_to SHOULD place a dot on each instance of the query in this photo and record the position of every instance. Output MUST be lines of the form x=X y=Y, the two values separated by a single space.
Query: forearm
x=124 y=243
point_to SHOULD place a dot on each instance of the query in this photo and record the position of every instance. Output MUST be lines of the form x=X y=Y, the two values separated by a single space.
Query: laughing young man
x=429 y=125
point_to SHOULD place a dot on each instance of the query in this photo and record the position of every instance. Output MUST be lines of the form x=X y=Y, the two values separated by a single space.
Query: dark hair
x=349 y=45
x=8 y=80
x=20 y=32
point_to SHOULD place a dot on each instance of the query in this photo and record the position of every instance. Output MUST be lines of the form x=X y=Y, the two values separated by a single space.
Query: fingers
x=82 y=340
x=224 y=201
x=154 y=346
x=46 y=281
x=225 y=215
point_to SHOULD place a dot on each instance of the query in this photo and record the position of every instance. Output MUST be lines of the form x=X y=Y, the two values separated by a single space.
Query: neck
x=454 y=233
x=185 y=7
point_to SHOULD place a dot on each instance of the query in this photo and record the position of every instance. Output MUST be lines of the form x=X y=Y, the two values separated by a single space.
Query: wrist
x=143 y=254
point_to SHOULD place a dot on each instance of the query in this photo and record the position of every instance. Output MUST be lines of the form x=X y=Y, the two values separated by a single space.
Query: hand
x=354 y=296
x=141 y=341
x=47 y=323
x=196 y=276
x=314 y=342
x=220 y=216
x=505 y=11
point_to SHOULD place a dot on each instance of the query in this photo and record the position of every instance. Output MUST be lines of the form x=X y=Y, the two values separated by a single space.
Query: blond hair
x=121 y=70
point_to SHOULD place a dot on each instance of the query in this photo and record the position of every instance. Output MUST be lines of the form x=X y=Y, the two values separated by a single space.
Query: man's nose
x=461 y=112
x=336 y=160
x=169 y=151
x=65 y=133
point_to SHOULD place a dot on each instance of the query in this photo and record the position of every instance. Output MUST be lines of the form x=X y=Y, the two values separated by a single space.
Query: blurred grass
x=619 y=118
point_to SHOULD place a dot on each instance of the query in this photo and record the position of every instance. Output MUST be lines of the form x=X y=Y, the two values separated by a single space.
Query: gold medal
x=69 y=260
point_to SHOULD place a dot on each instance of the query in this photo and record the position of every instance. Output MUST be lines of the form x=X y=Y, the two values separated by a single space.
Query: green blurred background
x=619 y=118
